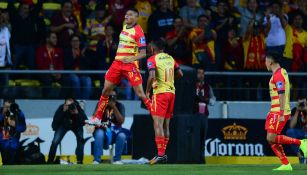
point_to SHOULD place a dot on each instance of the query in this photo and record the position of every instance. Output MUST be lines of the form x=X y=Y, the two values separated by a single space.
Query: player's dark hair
x=134 y=10
x=159 y=44
x=274 y=56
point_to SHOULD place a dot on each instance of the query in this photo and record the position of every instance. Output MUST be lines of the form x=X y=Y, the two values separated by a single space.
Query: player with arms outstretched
x=131 y=48
x=280 y=112
x=162 y=71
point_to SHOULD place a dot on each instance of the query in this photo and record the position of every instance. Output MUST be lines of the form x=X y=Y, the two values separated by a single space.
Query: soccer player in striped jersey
x=280 y=112
x=162 y=71
x=131 y=48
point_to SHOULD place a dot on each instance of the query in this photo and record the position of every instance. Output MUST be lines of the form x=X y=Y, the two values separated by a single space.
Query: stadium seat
x=27 y=83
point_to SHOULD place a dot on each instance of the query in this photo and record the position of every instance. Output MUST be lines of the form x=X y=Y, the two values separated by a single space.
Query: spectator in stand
x=145 y=10
x=254 y=57
x=50 y=8
x=25 y=31
x=191 y=12
x=254 y=47
x=202 y=42
x=232 y=59
x=49 y=57
x=263 y=5
x=275 y=22
x=177 y=42
x=95 y=28
x=88 y=8
x=6 y=19
x=160 y=21
x=65 y=24
x=209 y=4
x=75 y=59
x=77 y=13
x=247 y=14
x=221 y=21
x=5 y=54
x=106 y=49
x=294 y=54
x=118 y=8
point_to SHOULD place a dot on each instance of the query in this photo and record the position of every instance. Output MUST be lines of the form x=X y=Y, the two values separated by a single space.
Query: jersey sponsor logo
x=279 y=85
x=149 y=64
x=142 y=40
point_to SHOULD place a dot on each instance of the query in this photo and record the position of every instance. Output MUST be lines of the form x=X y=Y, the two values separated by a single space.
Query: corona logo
x=234 y=132
x=32 y=130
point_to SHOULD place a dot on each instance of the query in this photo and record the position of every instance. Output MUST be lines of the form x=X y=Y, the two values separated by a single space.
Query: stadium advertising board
x=236 y=137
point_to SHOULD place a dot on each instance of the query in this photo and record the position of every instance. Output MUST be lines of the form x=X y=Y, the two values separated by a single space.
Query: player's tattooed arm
x=140 y=55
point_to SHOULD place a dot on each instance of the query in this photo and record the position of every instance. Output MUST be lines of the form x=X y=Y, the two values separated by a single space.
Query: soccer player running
x=162 y=69
x=131 y=48
x=280 y=112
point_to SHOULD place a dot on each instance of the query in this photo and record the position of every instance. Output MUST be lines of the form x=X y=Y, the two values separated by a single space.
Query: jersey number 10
x=168 y=74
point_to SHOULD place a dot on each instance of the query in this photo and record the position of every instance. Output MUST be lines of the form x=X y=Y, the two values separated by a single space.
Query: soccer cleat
x=93 y=121
x=303 y=147
x=158 y=160
x=95 y=162
x=287 y=167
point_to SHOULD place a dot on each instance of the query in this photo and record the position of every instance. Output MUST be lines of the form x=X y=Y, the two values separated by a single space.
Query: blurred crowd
x=216 y=35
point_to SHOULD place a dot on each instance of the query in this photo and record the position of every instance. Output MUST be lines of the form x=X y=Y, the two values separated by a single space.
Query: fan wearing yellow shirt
x=162 y=71
x=296 y=41
x=145 y=10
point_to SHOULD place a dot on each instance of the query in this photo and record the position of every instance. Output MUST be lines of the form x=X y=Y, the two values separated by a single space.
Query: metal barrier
x=250 y=86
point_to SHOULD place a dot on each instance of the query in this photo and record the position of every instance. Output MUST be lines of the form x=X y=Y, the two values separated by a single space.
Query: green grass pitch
x=174 y=169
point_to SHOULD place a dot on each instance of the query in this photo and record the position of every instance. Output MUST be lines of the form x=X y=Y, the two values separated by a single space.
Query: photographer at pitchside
x=68 y=117
x=12 y=123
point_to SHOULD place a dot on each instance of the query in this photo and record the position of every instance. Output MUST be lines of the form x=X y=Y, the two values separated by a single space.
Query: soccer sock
x=279 y=152
x=102 y=104
x=147 y=103
x=159 y=144
x=283 y=159
x=166 y=139
x=285 y=140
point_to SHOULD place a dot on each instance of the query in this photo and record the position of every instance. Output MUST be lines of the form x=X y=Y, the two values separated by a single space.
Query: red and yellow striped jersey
x=279 y=83
x=165 y=67
x=131 y=40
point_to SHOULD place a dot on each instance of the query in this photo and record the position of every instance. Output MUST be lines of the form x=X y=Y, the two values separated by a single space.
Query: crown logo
x=31 y=130
x=234 y=132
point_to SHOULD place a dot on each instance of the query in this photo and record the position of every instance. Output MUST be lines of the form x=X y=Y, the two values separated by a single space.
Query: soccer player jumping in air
x=162 y=69
x=131 y=48
x=280 y=112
